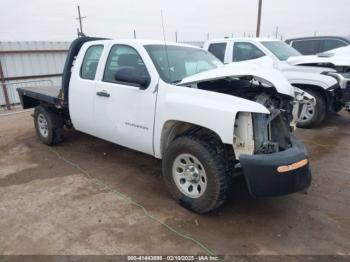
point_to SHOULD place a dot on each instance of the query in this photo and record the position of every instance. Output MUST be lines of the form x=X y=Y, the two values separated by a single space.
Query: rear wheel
x=311 y=114
x=48 y=125
x=196 y=174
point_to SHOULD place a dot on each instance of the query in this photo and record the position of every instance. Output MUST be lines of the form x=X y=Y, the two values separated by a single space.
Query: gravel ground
x=52 y=206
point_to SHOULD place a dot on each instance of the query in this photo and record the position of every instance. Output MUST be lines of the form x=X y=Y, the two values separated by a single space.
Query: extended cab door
x=82 y=87
x=124 y=110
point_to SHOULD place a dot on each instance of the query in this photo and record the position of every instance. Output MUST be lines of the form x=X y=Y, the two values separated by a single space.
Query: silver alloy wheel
x=42 y=125
x=307 y=112
x=189 y=175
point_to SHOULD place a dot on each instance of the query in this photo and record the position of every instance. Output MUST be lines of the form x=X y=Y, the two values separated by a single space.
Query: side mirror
x=133 y=75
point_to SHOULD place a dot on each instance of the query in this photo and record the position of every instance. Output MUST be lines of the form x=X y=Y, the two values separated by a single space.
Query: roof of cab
x=146 y=42
x=256 y=39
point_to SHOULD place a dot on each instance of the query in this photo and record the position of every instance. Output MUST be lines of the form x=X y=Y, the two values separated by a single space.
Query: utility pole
x=208 y=36
x=259 y=19
x=134 y=33
x=276 y=35
x=80 y=18
x=176 y=37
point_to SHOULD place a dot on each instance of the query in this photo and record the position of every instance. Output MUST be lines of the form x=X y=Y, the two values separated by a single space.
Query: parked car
x=341 y=51
x=318 y=44
x=179 y=104
x=330 y=88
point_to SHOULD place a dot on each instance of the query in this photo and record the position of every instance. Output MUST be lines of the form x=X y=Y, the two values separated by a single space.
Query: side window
x=329 y=44
x=306 y=47
x=246 y=51
x=123 y=57
x=90 y=62
x=218 y=50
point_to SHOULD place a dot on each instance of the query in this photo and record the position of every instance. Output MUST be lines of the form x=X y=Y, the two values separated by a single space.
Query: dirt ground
x=51 y=206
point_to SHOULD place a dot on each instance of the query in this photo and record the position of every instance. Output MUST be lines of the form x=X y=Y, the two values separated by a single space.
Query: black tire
x=214 y=164
x=54 y=126
x=320 y=111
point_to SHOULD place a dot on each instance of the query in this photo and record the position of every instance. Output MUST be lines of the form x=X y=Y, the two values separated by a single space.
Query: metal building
x=29 y=64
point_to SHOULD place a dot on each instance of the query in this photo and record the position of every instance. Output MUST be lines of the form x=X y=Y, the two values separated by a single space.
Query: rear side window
x=218 y=50
x=307 y=47
x=90 y=62
x=245 y=51
x=329 y=44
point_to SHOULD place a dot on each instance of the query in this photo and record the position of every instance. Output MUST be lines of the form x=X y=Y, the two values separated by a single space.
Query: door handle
x=103 y=93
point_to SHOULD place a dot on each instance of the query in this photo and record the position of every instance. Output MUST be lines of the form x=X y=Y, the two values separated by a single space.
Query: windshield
x=281 y=49
x=174 y=63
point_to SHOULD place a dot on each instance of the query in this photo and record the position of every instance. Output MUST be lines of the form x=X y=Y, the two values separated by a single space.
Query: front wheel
x=196 y=174
x=311 y=115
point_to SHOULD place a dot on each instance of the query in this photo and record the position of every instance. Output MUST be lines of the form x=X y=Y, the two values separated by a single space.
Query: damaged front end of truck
x=272 y=160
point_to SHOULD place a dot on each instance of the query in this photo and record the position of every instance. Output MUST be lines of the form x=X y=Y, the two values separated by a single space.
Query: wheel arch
x=174 y=128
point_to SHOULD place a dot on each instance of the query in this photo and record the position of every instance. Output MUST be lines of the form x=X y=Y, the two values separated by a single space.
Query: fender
x=214 y=111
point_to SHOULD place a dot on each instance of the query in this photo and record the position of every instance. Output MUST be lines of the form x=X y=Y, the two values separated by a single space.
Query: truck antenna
x=80 y=18
x=165 y=45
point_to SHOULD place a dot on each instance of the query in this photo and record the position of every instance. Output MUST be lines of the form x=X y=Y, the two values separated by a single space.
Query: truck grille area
x=272 y=132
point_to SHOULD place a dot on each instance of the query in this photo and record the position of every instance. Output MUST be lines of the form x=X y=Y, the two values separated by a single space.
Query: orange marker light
x=301 y=163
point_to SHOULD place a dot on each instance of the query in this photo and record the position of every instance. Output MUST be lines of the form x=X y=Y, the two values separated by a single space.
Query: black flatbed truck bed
x=31 y=96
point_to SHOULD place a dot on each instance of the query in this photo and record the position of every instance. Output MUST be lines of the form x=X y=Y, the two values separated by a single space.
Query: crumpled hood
x=325 y=58
x=271 y=75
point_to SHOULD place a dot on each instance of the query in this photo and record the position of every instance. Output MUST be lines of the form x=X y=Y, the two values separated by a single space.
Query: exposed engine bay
x=257 y=133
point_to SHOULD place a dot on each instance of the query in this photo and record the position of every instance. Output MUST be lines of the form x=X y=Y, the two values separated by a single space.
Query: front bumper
x=264 y=179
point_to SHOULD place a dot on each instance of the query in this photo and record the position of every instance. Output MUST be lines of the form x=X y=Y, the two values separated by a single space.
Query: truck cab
x=206 y=121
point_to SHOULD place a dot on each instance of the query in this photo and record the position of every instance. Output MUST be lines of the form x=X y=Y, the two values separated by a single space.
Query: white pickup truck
x=331 y=89
x=179 y=104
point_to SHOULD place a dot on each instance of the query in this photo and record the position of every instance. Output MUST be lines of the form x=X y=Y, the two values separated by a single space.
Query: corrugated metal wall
x=30 y=64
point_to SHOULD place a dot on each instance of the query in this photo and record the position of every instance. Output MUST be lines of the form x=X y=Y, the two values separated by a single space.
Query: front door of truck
x=123 y=110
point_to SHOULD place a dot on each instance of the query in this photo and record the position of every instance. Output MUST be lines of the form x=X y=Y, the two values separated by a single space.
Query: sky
x=55 y=20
